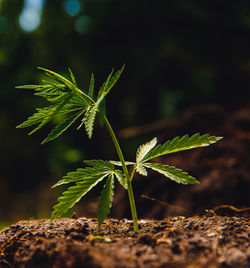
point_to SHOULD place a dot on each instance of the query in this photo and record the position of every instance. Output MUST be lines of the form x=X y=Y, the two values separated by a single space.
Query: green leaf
x=172 y=173
x=89 y=120
x=74 y=193
x=141 y=169
x=100 y=164
x=118 y=163
x=59 y=78
x=106 y=200
x=91 y=86
x=80 y=100
x=103 y=88
x=35 y=87
x=112 y=81
x=121 y=178
x=37 y=117
x=72 y=77
x=52 y=114
x=81 y=174
x=181 y=144
x=59 y=129
x=109 y=83
x=144 y=149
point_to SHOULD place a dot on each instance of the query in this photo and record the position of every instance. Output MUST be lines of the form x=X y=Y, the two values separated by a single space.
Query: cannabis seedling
x=74 y=104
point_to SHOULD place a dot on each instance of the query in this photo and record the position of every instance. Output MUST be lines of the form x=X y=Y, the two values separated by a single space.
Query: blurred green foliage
x=178 y=54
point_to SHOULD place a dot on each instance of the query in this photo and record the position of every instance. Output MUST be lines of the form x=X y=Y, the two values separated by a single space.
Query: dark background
x=178 y=54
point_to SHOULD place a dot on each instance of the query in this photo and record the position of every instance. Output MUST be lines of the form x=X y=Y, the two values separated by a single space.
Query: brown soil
x=208 y=241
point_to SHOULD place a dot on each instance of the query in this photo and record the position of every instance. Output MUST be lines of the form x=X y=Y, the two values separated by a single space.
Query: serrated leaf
x=81 y=174
x=121 y=178
x=118 y=163
x=181 y=144
x=34 y=87
x=141 y=169
x=52 y=114
x=74 y=193
x=91 y=86
x=144 y=149
x=89 y=120
x=100 y=164
x=172 y=173
x=72 y=77
x=59 y=129
x=109 y=83
x=106 y=200
x=37 y=117
x=112 y=81
x=103 y=88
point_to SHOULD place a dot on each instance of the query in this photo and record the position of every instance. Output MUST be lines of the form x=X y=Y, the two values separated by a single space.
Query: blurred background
x=179 y=55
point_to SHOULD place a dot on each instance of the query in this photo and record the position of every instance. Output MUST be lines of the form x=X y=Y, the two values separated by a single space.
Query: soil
x=207 y=241
x=170 y=235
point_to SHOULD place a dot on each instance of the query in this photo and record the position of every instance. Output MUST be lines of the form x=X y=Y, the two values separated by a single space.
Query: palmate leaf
x=59 y=129
x=86 y=179
x=106 y=199
x=181 y=144
x=172 y=173
x=107 y=165
x=74 y=193
x=62 y=94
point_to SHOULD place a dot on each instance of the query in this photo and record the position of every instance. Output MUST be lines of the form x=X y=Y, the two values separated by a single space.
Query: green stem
x=125 y=170
x=124 y=167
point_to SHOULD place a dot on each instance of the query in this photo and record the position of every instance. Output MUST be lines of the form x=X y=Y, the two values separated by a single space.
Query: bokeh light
x=72 y=7
x=30 y=18
x=82 y=24
x=3 y=24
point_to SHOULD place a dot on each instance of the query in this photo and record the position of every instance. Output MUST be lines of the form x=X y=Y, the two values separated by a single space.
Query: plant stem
x=125 y=170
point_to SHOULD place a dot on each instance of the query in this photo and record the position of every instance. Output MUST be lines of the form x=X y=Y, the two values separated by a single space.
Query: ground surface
x=208 y=241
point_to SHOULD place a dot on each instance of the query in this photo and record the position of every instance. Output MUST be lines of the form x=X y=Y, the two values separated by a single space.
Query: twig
x=232 y=208
x=162 y=202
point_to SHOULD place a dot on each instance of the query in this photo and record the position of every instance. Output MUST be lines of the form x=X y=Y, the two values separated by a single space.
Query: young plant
x=66 y=98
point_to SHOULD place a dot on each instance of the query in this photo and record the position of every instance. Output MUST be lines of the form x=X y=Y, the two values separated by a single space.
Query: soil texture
x=207 y=241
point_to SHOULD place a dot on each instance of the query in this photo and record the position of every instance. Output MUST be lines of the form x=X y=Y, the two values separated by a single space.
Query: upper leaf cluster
x=67 y=99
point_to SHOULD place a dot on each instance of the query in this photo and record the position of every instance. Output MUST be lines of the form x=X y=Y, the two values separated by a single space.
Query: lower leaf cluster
x=85 y=179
